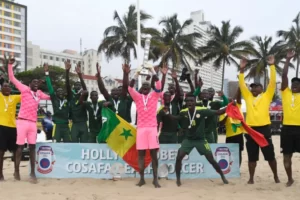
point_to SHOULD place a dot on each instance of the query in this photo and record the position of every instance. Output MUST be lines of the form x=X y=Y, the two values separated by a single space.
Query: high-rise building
x=13 y=31
x=225 y=87
x=210 y=77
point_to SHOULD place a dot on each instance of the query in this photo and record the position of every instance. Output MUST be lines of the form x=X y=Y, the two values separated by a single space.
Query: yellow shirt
x=8 y=113
x=258 y=107
x=291 y=107
x=228 y=124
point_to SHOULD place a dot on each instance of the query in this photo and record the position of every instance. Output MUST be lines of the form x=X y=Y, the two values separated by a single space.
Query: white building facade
x=13 y=31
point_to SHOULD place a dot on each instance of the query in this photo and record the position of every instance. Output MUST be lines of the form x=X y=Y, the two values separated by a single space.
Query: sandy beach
x=91 y=189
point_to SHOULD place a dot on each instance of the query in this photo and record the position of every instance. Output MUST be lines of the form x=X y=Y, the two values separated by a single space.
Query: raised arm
x=101 y=84
x=244 y=89
x=68 y=86
x=83 y=97
x=126 y=71
x=177 y=86
x=164 y=72
x=190 y=83
x=131 y=90
x=238 y=96
x=44 y=96
x=21 y=87
x=48 y=80
x=224 y=98
x=285 y=80
x=78 y=71
x=272 y=84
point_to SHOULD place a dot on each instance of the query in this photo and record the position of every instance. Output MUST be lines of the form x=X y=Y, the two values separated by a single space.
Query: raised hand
x=290 y=54
x=46 y=67
x=98 y=67
x=220 y=93
x=271 y=60
x=78 y=68
x=164 y=69
x=196 y=71
x=174 y=74
x=68 y=65
x=11 y=60
x=200 y=82
x=243 y=63
x=126 y=68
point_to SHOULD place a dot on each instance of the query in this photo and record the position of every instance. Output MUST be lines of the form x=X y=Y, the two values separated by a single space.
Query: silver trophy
x=145 y=69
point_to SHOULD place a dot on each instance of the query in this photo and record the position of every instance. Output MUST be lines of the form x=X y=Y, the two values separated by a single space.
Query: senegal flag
x=237 y=118
x=120 y=136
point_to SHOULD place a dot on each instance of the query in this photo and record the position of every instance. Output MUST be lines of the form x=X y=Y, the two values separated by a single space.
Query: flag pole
x=138 y=40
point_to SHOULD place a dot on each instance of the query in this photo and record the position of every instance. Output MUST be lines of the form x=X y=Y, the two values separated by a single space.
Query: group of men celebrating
x=190 y=119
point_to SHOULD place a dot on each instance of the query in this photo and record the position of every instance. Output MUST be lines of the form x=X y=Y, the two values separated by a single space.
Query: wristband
x=156 y=90
x=47 y=73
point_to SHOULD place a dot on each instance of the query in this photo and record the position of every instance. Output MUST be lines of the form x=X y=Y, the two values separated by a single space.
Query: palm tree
x=257 y=65
x=292 y=38
x=173 y=45
x=121 y=39
x=223 y=47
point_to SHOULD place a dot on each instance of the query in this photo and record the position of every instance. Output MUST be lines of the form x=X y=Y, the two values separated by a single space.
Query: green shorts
x=168 y=138
x=202 y=146
x=61 y=132
x=79 y=132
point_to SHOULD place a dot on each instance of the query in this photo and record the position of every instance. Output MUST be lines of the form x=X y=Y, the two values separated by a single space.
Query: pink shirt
x=29 y=104
x=146 y=118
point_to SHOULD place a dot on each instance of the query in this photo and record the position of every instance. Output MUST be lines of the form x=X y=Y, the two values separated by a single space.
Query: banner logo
x=223 y=157
x=45 y=159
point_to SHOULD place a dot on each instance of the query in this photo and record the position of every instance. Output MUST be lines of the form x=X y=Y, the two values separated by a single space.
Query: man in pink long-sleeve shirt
x=27 y=117
x=147 y=135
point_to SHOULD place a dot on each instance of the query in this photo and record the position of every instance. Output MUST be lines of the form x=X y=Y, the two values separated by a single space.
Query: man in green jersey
x=94 y=109
x=119 y=98
x=78 y=113
x=60 y=105
x=192 y=119
x=211 y=123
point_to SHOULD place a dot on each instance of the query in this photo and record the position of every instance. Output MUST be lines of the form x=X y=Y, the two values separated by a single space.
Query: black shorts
x=237 y=139
x=290 y=139
x=253 y=148
x=8 y=138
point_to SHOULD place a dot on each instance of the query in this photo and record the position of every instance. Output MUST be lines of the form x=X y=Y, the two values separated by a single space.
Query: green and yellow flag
x=120 y=136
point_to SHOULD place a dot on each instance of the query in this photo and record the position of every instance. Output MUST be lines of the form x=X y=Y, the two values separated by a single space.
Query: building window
x=8 y=22
x=17 y=32
x=17 y=55
x=7 y=46
x=51 y=58
x=57 y=59
x=45 y=57
x=6 y=37
x=7 y=14
x=16 y=8
x=18 y=24
x=17 y=39
x=7 y=30
x=63 y=59
x=17 y=47
x=7 y=6
x=17 y=16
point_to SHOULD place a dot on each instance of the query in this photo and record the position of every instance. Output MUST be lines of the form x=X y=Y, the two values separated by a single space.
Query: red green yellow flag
x=120 y=136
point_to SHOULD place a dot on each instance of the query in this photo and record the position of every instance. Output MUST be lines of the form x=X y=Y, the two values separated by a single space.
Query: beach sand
x=91 y=189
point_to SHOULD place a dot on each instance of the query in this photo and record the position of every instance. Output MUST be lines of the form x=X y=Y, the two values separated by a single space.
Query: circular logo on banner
x=45 y=159
x=223 y=157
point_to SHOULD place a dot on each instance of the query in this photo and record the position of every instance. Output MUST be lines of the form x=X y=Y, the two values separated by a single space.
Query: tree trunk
x=223 y=74
x=265 y=79
x=297 y=67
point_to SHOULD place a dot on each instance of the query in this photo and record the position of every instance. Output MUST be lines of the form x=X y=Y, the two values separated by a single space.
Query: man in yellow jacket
x=290 y=136
x=258 y=118
x=234 y=128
